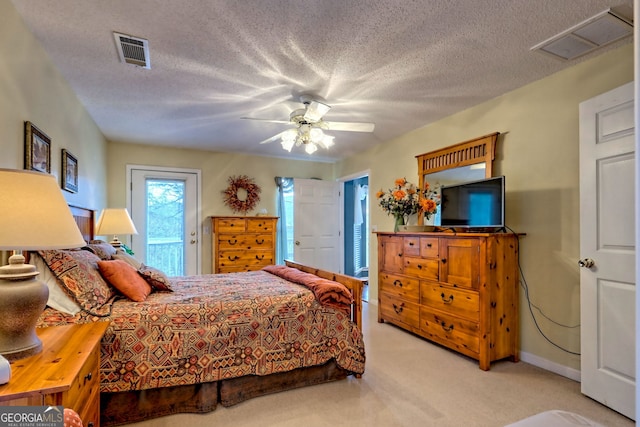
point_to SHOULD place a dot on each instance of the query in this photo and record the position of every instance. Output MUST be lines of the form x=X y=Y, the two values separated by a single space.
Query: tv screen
x=477 y=204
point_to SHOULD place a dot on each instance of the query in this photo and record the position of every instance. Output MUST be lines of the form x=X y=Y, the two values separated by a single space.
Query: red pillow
x=125 y=278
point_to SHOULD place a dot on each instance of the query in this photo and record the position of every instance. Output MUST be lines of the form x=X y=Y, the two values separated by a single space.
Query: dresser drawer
x=260 y=225
x=454 y=332
x=394 y=310
x=244 y=260
x=403 y=287
x=422 y=268
x=230 y=225
x=450 y=300
x=245 y=241
x=429 y=247
x=411 y=246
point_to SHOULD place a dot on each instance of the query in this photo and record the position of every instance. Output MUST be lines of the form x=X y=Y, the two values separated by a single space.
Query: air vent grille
x=133 y=50
x=598 y=31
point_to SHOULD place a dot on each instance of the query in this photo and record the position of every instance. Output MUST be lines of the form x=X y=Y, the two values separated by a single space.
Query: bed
x=197 y=341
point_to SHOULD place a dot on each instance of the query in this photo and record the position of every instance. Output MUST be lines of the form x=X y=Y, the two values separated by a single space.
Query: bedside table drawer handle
x=447 y=300
x=88 y=377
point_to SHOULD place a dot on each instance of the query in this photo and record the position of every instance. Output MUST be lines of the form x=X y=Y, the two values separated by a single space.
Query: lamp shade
x=115 y=221
x=34 y=214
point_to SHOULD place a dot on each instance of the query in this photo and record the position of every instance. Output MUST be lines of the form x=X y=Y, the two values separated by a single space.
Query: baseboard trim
x=565 y=371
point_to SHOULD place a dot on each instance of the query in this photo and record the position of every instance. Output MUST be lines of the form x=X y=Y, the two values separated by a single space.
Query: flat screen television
x=476 y=204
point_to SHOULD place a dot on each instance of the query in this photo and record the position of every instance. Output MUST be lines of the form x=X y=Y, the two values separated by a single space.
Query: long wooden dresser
x=243 y=243
x=458 y=290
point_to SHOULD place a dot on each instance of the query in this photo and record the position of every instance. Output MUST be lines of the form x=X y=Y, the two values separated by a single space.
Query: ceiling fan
x=309 y=126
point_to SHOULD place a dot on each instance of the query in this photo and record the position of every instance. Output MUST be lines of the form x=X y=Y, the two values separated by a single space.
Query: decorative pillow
x=123 y=256
x=103 y=250
x=125 y=278
x=58 y=299
x=81 y=280
x=156 y=278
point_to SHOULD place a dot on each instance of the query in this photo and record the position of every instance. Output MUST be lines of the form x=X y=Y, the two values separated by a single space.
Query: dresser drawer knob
x=410 y=243
x=260 y=258
x=235 y=258
x=447 y=328
x=398 y=309
x=90 y=424
x=429 y=245
x=446 y=300
x=444 y=260
x=260 y=242
x=397 y=283
x=234 y=241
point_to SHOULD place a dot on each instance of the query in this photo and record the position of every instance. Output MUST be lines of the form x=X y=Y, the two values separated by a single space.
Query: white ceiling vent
x=133 y=50
x=600 y=30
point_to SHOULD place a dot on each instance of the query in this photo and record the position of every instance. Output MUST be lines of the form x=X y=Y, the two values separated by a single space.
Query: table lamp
x=33 y=215
x=115 y=221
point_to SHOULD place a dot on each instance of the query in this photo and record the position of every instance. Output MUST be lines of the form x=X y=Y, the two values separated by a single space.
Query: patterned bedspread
x=219 y=326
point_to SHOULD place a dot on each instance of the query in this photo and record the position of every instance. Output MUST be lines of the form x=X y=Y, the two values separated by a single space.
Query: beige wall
x=215 y=168
x=31 y=89
x=538 y=154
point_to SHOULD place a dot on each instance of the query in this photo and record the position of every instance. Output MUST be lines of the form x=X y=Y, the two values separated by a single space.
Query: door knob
x=586 y=263
x=297 y=242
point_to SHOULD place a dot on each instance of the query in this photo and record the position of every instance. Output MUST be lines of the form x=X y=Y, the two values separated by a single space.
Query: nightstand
x=65 y=373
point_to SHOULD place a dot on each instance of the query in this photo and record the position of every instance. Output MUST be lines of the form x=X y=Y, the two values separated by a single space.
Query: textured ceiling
x=400 y=64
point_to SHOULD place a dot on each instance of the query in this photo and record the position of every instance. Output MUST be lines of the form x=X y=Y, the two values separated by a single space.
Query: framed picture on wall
x=37 y=149
x=69 y=172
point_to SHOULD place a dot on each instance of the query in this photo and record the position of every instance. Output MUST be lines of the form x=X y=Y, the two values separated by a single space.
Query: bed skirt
x=134 y=406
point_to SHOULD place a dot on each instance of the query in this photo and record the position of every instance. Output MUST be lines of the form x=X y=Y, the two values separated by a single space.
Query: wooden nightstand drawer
x=403 y=287
x=450 y=300
x=65 y=373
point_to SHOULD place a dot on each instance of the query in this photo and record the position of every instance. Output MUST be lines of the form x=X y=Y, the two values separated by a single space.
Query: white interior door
x=607 y=249
x=165 y=207
x=316 y=217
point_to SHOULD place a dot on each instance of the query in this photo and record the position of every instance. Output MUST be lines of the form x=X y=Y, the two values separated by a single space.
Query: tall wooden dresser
x=458 y=290
x=243 y=243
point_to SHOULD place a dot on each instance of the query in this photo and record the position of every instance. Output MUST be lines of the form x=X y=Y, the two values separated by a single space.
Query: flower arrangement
x=400 y=201
x=405 y=199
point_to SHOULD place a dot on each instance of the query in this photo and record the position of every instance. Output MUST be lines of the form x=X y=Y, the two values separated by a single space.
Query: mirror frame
x=474 y=151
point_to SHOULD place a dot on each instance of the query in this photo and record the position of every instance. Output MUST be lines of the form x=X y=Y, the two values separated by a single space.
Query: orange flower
x=428 y=205
x=379 y=194
x=411 y=190
x=399 y=194
x=401 y=182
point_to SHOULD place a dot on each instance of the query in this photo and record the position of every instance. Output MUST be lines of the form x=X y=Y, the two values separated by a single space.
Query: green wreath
x=247 y=184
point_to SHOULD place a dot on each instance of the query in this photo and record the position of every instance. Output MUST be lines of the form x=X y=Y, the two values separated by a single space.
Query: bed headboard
x=85 y=218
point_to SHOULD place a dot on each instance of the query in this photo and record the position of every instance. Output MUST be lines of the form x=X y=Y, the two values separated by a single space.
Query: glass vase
x=399 y=222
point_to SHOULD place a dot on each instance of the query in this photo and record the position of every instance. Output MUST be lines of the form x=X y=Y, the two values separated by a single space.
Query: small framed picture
x=37 y=149
x=69 y=172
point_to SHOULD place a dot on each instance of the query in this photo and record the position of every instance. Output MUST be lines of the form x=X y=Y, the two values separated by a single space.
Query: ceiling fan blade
x=350 y=126
x=315 y=111
x=272 y=138
x=267 y=120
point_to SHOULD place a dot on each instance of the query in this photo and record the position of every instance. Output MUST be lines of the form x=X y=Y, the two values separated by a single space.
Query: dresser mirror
x=466 y=161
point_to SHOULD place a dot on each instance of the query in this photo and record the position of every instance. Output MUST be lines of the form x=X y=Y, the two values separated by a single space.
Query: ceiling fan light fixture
x=316 y=135
x=288 y=144
x=326 y=141
x=290 y=135
x=310 y=148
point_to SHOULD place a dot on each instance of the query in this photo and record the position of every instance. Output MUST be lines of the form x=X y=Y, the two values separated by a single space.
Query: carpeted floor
x=411 y=382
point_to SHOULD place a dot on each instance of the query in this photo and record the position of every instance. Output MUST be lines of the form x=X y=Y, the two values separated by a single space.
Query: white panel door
x=316 y=223
x=607 y=249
